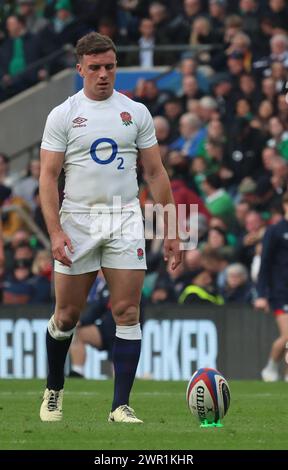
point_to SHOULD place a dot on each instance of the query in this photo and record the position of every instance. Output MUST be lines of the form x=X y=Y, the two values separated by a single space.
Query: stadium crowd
x=223 y=133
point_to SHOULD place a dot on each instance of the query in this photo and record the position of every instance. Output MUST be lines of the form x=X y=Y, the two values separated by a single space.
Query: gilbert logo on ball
x=208 y=396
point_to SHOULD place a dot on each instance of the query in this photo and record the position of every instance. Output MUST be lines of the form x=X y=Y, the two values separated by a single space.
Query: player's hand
x=262 y=304
x=172 y=249
x=58 y=241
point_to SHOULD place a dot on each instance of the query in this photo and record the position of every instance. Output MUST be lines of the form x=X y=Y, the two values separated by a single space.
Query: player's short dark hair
x=94 y=43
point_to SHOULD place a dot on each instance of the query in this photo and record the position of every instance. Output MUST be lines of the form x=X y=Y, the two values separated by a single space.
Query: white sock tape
x=56 y=333
x=129 y=332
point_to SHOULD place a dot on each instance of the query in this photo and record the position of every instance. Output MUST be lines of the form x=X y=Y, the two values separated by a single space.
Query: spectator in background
x=261 y=120
x=279 y=75
x=148 y=93
x=217 y=14
x=233 y=25
x=34 y=22
x=254 y=231
x=279 y=178
x=243 y=108
x=282 y=109
x=241 y=210
x=241 y=43
x=191 y=134
x=18 y=238
x=208 y=109
x=25 y=188
x=202 y=286
x=150 y=37
x=189 y=67
x=269 y=90
x=146 y=43
x=201 y=33
x=243 y=150
x=217 y=200
x=11 y=218
x=24 y=252
x=173 y=110
x=162 y=130
x=221 y=88
x=190 y=89
x=277 y=11
x=235 y=65
x=64 y=28
x=247 y=190
x=67 y=27
x=17 y=288
x=237 y=287
x=168 y=285
x=249 y=12
x=279 y=137
x=180 y=27
x=248 y=90
x=20 y=49
x=41 y=281
x=216 y=238
x=6 y=179
x=159 y=15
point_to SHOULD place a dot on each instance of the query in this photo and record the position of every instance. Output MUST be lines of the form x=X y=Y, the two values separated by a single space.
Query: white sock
x=78 y=369
x=272 y=365
x=129 y=332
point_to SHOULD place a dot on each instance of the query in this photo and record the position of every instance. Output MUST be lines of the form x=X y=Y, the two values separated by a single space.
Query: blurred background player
x=273 y=289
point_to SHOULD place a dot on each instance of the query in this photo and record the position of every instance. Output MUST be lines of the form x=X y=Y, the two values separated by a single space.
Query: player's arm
x=51 y=165
x=159 y=185
x=265 y=268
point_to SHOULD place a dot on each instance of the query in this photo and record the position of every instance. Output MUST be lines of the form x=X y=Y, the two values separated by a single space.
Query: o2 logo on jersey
x=114 y=149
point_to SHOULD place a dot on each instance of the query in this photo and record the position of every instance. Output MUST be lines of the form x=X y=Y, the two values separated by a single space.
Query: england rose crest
x=126 y=118
x=140 y=253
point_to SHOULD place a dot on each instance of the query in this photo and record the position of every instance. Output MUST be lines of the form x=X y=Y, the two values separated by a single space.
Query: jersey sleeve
x=146 y=135
x=54 y=136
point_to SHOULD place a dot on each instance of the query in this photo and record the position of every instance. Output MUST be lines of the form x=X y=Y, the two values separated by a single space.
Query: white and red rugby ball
x=208 y=395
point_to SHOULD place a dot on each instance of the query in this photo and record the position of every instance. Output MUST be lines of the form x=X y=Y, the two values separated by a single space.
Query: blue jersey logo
x=114 y=147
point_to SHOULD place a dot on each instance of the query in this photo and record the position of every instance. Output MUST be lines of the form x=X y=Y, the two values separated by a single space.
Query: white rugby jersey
x=100 y=140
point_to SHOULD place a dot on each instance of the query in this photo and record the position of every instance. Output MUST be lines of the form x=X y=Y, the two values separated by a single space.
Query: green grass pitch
x=257 y=418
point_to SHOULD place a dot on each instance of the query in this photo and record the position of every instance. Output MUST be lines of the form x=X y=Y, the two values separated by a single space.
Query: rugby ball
x=208 y=395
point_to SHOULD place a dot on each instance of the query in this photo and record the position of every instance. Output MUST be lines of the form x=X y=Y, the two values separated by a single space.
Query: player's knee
x=67 y=317
x=57 y=331
x=126 y=313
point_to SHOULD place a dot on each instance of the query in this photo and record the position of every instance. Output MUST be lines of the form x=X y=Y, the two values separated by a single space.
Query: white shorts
x=104 y=241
